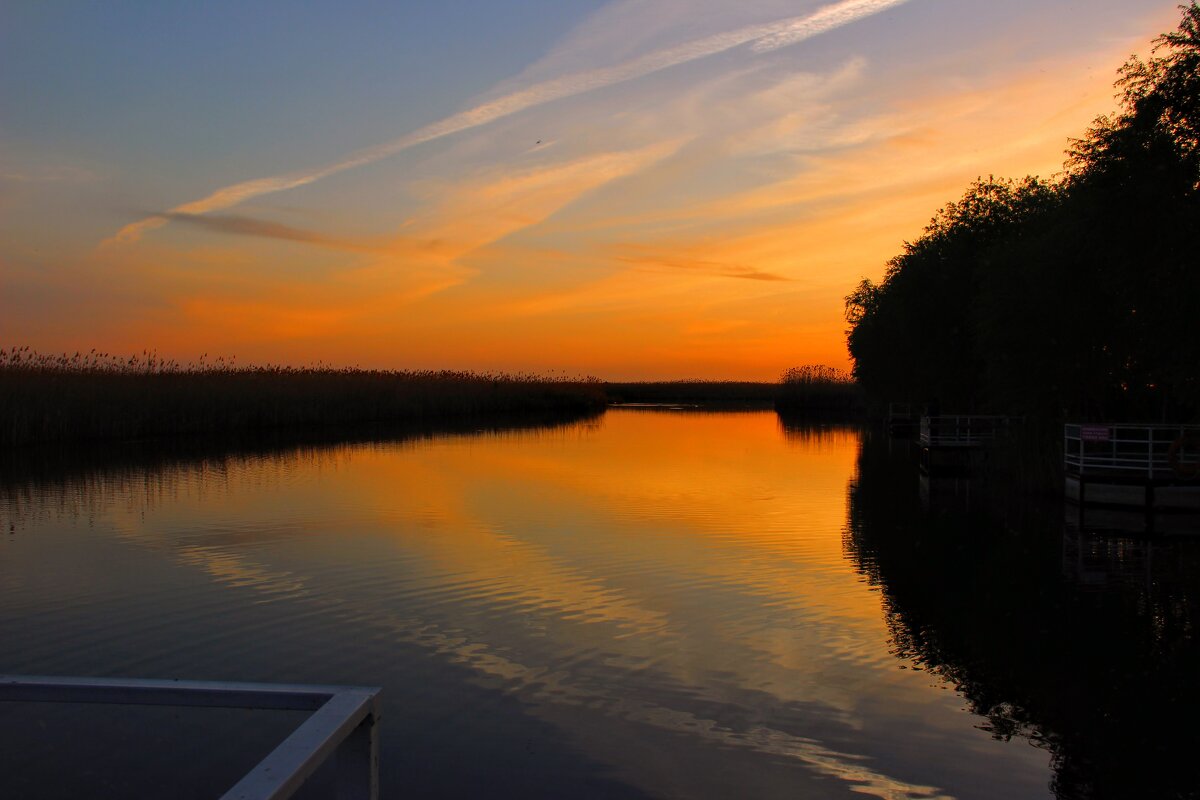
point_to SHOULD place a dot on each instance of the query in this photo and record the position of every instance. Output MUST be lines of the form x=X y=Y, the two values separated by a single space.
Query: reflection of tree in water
x=1105 y=674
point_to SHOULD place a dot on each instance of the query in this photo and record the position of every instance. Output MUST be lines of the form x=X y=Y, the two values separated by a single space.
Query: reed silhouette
x=817 y=391
x=88 y=396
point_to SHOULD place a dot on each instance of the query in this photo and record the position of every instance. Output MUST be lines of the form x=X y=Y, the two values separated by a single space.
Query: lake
x=648 y=603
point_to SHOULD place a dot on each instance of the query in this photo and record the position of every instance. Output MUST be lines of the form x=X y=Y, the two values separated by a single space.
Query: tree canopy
x=1078 y=297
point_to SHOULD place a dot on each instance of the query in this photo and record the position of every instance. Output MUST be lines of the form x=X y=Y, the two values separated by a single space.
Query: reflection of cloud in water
x=236 y=571
x=542 y=684
x=670 y=572
x=673 y=616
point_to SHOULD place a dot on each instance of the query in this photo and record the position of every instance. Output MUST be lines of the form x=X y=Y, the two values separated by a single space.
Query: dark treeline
x=1073 y=298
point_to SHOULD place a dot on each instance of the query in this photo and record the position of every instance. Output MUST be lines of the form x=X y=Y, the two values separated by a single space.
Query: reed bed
x=814 y=390
x=92 y=396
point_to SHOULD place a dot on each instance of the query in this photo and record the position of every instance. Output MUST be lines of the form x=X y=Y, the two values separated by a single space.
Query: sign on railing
x=1152 y=452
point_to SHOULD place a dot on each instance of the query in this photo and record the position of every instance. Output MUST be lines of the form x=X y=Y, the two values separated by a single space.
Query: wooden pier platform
x=957 y=443
x=1148 y=466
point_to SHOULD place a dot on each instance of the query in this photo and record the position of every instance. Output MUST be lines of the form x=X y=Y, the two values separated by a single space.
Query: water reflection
x=645 y=604
x=79 y=479
x=1082 y=644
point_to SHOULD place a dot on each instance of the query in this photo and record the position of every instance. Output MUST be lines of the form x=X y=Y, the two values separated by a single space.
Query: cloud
x=701 y=267
x=49 y=174
x=238 y=225
x=824 y=19
x=501 y=202
x=771 y=36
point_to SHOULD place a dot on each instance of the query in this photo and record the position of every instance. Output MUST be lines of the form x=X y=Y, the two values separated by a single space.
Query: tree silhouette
x=1073 y=298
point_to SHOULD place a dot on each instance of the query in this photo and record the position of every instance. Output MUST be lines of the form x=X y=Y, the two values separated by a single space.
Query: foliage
x=913 y=336
x=1077 y=297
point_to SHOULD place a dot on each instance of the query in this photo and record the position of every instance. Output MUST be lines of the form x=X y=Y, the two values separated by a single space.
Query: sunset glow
x=639 y=189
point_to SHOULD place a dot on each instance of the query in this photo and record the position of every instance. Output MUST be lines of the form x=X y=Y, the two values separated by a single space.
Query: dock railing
x=1151 y=452
x=963 y=430
x=344 y=723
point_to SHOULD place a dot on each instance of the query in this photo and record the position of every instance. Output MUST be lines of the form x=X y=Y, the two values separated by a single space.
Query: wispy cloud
x=238 y=225
x=765 y=37
x=701 y=267
x=501 y=202
x=825 y=19
x=48 y=175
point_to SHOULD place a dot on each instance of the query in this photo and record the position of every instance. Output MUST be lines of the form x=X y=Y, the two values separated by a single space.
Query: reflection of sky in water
x=668 y=590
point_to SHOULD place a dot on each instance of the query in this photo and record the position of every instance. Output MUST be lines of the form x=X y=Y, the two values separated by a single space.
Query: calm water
x=646 y=604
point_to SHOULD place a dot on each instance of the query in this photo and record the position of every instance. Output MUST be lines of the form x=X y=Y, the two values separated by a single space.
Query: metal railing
x=344 y=723
x=1131 y=450
x=963 y=430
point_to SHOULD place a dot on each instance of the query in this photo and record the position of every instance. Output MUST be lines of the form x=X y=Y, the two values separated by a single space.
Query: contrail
x=766 y=37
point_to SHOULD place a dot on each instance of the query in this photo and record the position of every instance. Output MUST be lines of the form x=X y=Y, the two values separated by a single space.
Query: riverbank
x=812 y=393
x=98 y=397
x=44 y=402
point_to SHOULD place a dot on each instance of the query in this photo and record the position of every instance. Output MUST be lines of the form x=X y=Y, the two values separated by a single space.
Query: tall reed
x=95 y=395
x=814 y=390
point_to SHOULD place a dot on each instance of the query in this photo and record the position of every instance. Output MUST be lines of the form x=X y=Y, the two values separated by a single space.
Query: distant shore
x=741 y=394
x=98 y=397
x=61 y=405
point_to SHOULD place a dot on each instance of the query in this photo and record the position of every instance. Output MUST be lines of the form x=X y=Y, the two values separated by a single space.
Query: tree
x=1079 y=298
x=914 y=336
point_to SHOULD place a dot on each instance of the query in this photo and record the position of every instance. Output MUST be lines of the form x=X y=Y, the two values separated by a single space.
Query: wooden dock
x=959 y=442
x=1147 y=466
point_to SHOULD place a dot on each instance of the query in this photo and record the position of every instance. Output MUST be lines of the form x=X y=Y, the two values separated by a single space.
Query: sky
x=637 y=189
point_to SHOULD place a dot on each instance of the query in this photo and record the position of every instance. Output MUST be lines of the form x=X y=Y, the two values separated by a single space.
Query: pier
x=957 y=442
x=1131 y=465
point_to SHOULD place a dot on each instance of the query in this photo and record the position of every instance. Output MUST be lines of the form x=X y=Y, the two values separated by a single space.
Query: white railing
x=344 y=723
x=963 y=430
x=1131 y=450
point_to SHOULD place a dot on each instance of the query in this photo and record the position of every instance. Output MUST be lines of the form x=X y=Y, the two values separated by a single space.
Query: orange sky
x=664 y=190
